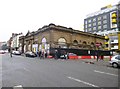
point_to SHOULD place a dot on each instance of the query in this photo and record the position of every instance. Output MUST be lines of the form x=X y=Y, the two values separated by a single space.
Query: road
x=34 y=72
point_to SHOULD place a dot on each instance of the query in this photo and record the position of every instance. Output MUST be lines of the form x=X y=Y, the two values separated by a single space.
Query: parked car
x=115 y=61
x=2 y=52
x=30 y=54
x=70 y=56
x=16 y=52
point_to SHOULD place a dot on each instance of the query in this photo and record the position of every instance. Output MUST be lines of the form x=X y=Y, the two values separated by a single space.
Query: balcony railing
x=106 y=42
x=114 y=21
x=114 y=42
x=114 y=15
x=106 y=48
x=115 y=47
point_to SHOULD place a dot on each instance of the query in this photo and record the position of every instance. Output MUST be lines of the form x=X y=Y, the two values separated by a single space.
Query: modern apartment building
x=114 y=41
x=104 y=22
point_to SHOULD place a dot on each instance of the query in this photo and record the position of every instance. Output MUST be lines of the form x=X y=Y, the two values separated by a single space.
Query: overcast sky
x=22 y=15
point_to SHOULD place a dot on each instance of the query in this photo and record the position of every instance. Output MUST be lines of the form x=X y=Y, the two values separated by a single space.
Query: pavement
x=90 y=61
x=94 y=61
x=32 y=72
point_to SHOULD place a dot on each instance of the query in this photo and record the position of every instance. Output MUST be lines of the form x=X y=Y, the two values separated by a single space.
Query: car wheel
x=115 y=65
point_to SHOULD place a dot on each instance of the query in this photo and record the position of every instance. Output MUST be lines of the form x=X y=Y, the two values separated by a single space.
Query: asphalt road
x=35 y=72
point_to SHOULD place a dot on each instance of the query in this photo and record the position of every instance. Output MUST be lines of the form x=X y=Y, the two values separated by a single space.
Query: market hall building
x=55 y=36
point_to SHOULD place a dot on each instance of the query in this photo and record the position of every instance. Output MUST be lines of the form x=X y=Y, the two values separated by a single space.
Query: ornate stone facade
x=53 y=36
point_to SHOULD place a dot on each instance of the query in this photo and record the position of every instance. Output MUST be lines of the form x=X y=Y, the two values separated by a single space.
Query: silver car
x=115 y=61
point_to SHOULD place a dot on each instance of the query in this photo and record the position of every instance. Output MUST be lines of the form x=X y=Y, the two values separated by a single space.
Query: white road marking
x=105 y=73
x=26 y=69
x=18 y=87
x=83 y=82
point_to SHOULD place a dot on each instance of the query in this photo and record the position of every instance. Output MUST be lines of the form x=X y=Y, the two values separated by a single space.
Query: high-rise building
x=104 y=22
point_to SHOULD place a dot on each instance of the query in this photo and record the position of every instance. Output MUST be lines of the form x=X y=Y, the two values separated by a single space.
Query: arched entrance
x=44 y=46
x=62 y=42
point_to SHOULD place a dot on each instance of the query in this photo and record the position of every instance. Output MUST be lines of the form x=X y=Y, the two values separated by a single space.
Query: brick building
x=55 y=36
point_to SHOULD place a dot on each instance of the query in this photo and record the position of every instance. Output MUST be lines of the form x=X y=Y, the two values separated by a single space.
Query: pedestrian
x=40 y=54
x=10 y=52
x=97 y=56
x=56 y=54
x=67 y=55
x=37 y=53
x=101 y=56
x=45 y=54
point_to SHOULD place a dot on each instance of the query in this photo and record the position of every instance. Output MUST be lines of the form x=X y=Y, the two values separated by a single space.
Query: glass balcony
x=115 y=47
x=106 y=48
x=114 y=15
x=114 y=21
x=106 y=42
x=114 y=42
x=106 y=37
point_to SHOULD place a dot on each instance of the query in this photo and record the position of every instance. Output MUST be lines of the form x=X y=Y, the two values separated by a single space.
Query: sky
x=18 y=16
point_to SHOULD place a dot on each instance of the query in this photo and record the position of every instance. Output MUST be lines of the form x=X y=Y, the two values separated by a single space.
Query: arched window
x=92 y=45
x=61 y=41
x=84 y=42
x=44 y=40
x=75 y=42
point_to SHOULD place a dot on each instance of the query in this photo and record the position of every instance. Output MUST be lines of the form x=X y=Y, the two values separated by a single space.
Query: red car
x=70 y=56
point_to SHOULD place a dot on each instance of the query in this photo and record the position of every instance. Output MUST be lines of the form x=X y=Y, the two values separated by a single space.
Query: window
x=61 y=40
x=85 y=30
x=89 y=25
x=94 y=28
x=89 y=20
x=85 y=22
x=99 y=18
x=105 y=17
x=94 y=19
x=86 y=26
x=105 y=21
x=94 y=24
x=75 y=42
x=104 y=26
x=114 y=25
x=89 y=29
x=99 y=27
x=99 y=23
x=44 y=40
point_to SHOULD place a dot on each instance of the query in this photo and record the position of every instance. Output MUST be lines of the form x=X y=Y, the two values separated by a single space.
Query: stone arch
x=62 y=40
x=43 y=40
x=84 y=44
x=92 y=45
x=43 y=45
x=75 y=42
